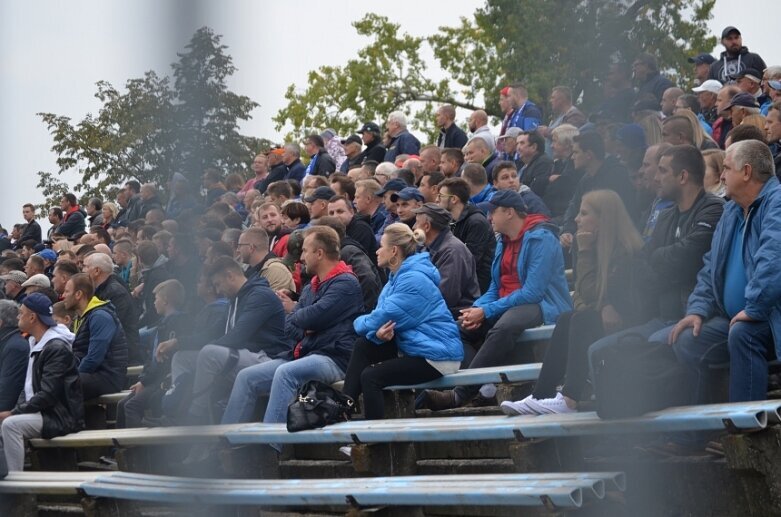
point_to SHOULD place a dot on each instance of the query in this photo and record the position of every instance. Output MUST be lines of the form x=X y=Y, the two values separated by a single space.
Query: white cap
x=711 y=85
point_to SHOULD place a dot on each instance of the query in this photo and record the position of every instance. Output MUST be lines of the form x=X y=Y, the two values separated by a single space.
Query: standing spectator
x=702 y=63
x=564 y=112
x=100 y=345
x=14 y=354
x=526 y=115
x=55 y=220
x=564 y=176
x=73 y=218
x=651 y=84
x=320 y=162
x=130 y=212
x=292 y=160
x=537 y=165
x=52 y=403
x=372 y=138
x=94 y=211
x=32 y=232
x=332 y=144
x=450 y=135
x=478 y=126
x=735 y=57
x=352 y=150
x=401 y=140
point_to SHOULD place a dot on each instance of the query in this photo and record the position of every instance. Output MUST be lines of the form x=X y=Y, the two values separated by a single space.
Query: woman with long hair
x=701 y=139
x=714 y=165
x=608 y=245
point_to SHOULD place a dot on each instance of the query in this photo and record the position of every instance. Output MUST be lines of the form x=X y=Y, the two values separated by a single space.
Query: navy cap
x=744 y=100
x=729 y=30
x=632 y=136
x=752 y=73
x=507 y=199
x=776 y=85
x=702 y=59
x=325 y=193
x=407 y=194
x=352 y=139
x=369 y=127
x=41 y=305
x=394 y=185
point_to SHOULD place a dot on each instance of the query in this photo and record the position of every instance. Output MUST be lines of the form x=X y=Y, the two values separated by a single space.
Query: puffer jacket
x=411 y=298
x=100 y=345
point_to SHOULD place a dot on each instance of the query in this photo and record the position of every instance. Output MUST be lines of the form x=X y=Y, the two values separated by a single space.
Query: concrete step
x=316 y=469
x=469 y=466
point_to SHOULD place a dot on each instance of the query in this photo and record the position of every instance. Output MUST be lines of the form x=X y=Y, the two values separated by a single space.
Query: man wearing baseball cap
x=13 y=285
x=528 y=288
x=386 y=192
x=707 y=92
x=407 y=200
x=51 y=404
x=735 y=57
x=702 y=63
x=742 y=105
x=372 y=138
x=352 y=150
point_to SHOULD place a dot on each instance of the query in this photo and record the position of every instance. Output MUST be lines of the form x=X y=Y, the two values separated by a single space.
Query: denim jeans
x=279 y=378
x=747 y=346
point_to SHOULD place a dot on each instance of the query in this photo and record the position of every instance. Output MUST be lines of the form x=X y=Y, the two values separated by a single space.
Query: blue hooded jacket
x=761 y=254
x=541 y=272
x=424 y=326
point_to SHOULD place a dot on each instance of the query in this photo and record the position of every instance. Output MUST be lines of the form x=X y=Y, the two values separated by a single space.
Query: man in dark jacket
x=372 y=138
x=320 y=162
x=321 y=325
x=32 y=232
x=470 y=227
x=456 y=264
x=356 y=226
x=292 y=160
x=51 y=403
x=73 y=221
x=402 y=141
x=254 y=333
x=450 y=135
x=735 y=57
x=153 y=271
x=109 y=288
x=14 y=352
x=650 y=83
x=276 y=170
x=100 y=345
x=537 y=165
x=352 y=149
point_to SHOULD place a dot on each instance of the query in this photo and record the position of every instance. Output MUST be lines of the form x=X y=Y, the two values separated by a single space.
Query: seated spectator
x=352 y=150
x=127 y=263
x=773 y=133
x=14 y=354
x=372 y=138
x=477 y=152
x=279 y=192
x=36 y=283
x=269 y=217
x=407 y=200
x=212 y=182
x=63 y=271
x=506 y=178
x=451 y=162
x=734 y=305
x=480 y=190
x=321 y=326
x=100 y=346
x=471 y=227
x=369 y=204
x=356 y=226
x=295 y=215
x=651 y=84
x=13 y=285
x=430 y=157
x=255 y=333
x=343 y=186
x=453 y=260
x=429 y=186
x=253 y=250
x=153 y=271
x=310 y=184
x=63 y=316
x=645 y=186
x=184 y=265
x=707 y=92
x=537 y=165
x=34 y=266
x=528 y=289
x=51 y=402
x=741 y=106
x=605 y=300
x=150 y=201
x=564 y=177
x=411 y=336
x=714 y=167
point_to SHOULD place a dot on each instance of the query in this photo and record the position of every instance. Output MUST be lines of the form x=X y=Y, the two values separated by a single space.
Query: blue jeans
x=279 y=378
x=747 y=347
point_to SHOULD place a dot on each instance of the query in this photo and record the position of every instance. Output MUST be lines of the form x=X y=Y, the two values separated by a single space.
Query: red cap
x=505 y=91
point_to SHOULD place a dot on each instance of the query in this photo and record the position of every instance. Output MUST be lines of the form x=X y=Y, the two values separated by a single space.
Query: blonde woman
x=110 y=211
x=652 y=127
x=701 y=139
x=605 y=302
x=714 y=165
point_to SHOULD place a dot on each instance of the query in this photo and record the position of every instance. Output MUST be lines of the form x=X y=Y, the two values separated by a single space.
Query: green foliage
x=155 y=128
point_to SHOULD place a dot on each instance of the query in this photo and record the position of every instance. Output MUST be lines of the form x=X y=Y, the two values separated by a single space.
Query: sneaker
x=557 y=405
x=347 y=450
x=518 y=407
x=439 y=400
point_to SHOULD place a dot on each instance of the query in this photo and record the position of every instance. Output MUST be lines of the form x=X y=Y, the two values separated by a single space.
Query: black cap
x=751 y=73
x=702 y=59
x=394 y=185
x=440 y=218
x=369 y=127
x=745 y=100
x=352 y=139
x=325 y=193
x=507 y=199
x=729 y=30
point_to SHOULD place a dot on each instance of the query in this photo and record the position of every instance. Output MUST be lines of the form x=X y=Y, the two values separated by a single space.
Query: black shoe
x=481 y=401
x=439 y=400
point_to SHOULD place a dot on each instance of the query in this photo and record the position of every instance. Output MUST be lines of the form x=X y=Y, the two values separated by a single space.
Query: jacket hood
x=253 y=281
x=743 y=51
x=93 y=304
x=421 y=262
x=58 y=332
x=469 y=211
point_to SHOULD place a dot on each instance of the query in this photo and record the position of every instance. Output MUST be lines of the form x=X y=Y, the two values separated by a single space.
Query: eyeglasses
x=444 y=196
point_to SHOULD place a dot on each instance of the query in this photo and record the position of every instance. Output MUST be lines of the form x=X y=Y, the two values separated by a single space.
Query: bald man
x=478 y=126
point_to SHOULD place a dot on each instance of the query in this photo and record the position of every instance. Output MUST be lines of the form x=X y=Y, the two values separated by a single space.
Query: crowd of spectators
x=380 y=261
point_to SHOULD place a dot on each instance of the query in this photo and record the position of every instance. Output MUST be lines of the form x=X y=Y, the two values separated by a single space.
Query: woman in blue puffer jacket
x=410 y=337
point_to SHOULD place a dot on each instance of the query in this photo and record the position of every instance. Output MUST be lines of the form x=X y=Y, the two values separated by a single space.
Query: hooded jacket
x=54 y=384
x=540 y=266
x=274 y=271
x=100 y=345
x=727 y=66
x=14 y=352
x=424 y=325
x=474 y=230
x=368 y=276
x=256 y=320
x=322 y=322
x=761 y=252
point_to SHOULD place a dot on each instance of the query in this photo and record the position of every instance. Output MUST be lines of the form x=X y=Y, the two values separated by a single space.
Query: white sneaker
x=518 y=407
x=347 y=450
x=556 y=405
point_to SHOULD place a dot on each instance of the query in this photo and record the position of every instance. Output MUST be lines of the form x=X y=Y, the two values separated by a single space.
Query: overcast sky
x=53 y=52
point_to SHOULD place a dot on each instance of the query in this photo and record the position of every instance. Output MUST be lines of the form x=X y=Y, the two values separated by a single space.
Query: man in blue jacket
x=14 y=355
x=735 y=309
x=320 y=325
x=528 y=288
x=402 y=141
x=254 y=333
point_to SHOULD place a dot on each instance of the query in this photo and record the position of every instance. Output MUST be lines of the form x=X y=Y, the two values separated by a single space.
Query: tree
x=539 y=43
x=155 y=128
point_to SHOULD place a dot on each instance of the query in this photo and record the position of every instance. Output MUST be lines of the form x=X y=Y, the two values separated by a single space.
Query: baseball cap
x=507 y=199
x=352 y=139
x=38 y=280
x=325 y=193
x=394 y=185
x=702 y=59
x=745 y=100
x=729 y=30
x=438 y=215
x=632 y=136
x=369 y=127
x=776 y=85
x=752 y=73
x=711 y=85
x=512 y=132
x=48 y=254
x=407 y=194
x=41 y=305
x=14 y=276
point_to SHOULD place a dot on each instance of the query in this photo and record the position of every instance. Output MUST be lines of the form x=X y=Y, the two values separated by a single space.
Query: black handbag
x=318 y=405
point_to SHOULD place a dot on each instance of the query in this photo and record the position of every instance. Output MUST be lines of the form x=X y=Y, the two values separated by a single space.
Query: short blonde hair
x=172 y=291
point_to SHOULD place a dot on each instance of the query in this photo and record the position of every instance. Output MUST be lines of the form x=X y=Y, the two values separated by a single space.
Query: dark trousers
x=373 y=367
x=499 y=343
x=93 y=385
x=567 y=354
x=131 y=409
